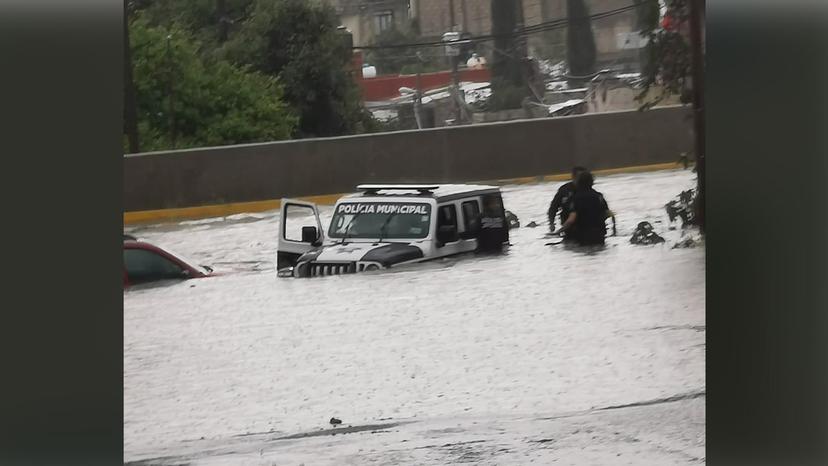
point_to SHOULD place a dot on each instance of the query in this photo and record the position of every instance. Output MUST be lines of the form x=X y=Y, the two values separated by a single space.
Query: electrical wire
x=542 y=27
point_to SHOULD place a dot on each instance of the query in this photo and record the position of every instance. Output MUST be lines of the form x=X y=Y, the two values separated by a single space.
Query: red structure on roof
x=388 y=87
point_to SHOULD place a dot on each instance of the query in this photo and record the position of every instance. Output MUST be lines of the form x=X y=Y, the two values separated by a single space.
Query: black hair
x=578 y=169
x=585 y=180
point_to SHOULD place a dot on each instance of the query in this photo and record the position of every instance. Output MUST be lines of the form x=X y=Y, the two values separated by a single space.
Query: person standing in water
x=587 y=213
x=562 y=198
x=492 y=225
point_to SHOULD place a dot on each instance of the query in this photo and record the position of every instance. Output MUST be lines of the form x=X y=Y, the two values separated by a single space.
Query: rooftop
x=422 y=189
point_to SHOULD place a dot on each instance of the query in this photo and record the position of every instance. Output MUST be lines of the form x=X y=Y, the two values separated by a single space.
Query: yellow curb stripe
x=223 y=210
x=217 y=210
x=639 y=168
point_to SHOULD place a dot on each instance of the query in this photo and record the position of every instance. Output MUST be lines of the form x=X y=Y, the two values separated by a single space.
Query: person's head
x=577 y=171
x=492 y=204
x=585 y=180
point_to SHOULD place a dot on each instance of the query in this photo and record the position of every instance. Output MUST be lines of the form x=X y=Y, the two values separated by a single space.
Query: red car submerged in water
x=145 y=262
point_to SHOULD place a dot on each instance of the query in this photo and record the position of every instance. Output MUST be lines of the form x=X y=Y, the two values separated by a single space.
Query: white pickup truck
x=387 y=225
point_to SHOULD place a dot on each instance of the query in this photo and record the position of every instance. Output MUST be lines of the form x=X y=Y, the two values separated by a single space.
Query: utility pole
x=130 y=110
x=458 y=94
x=520 y=41
x=452 y=47
x=418 y=97
x=696 y=11
x=453 y=59
x=455 y=82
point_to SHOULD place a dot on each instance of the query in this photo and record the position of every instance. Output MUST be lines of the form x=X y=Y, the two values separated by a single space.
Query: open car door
x=300 y=231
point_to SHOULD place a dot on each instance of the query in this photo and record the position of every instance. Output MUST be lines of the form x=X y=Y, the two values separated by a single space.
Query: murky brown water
x=539 y=331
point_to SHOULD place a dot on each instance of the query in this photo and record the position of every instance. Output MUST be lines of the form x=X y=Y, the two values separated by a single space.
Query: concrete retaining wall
x=255 y=172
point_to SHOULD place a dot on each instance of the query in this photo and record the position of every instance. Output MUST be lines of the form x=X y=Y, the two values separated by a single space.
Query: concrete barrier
x=310 y=167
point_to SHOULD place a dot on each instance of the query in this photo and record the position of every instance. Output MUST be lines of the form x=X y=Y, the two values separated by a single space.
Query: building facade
x=615 y=35
x=368 y=18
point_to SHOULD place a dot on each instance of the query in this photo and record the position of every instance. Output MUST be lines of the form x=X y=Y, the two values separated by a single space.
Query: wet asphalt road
x=508 y=359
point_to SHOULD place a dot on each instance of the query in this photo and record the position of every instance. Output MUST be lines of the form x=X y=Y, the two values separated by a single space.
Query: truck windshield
x=386 y=220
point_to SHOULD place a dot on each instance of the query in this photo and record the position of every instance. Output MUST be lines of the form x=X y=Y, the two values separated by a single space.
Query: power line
x=541 y=27
x=604 y=14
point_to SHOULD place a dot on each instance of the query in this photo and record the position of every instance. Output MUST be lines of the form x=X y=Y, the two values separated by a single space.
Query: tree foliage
x=198 y=102
x=293 y=41
x=580 y=42
x=210 y=21
x=668 y=60
x=298 y=41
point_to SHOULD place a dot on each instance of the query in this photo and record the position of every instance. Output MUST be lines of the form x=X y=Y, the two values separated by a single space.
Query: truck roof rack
x=374 y=188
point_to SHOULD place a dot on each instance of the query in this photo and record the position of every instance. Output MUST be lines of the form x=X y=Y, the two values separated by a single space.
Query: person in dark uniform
x=562 y=198
x=492 y=224
x=588 y=212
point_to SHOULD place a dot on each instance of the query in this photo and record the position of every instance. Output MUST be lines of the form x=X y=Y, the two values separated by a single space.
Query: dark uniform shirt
x=494 y=231
x=561 y=201
x=591 y=209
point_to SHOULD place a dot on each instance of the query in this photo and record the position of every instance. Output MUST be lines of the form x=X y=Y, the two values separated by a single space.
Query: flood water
x=506 y=359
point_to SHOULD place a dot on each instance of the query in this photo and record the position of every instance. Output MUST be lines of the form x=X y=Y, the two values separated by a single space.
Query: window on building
x=383 y=21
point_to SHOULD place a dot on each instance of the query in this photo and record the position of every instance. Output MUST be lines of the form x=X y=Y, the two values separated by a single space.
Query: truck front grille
x=331 y=268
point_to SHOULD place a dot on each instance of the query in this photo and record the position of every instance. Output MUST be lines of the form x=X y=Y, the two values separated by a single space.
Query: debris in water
x=644 y=234
x=531 y=224
x=335 y=422
x=686 y=243
x=683 y=207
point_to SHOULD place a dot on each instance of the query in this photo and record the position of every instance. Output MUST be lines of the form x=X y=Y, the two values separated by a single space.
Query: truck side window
x=471 y=212
x=471 y=219
x=447 y=215
x=447 y=223
x=493 y=205
x=296 y=217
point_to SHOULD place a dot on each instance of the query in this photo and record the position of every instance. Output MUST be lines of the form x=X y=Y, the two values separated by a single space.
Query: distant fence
x=388 y=87
x=257 y=172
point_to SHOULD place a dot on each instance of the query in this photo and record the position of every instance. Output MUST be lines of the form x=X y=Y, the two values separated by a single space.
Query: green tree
x=210 y=21
x=298 y=41
x=668 y=61
x=184 y=100
x=669 y=65
x=580 y=42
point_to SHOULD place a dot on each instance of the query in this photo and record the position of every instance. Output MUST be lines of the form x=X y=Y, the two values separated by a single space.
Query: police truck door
x=300 y=231
x=450 y=238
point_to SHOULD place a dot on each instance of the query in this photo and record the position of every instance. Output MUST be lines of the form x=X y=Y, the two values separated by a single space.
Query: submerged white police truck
x=387 y=225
